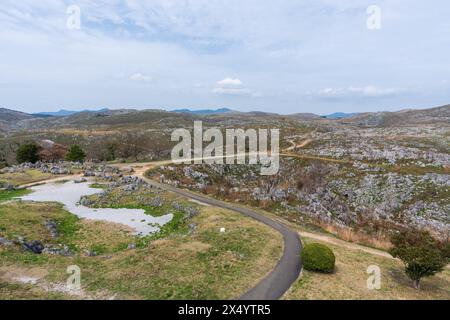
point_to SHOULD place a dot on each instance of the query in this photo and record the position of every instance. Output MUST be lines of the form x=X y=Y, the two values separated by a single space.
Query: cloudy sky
x=285 y=56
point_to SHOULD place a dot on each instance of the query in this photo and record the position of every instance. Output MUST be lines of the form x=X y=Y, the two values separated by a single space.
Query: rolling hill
x=401 y=118
x=130 y=118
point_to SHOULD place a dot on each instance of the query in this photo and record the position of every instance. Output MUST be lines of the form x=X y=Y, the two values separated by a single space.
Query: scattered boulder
x=53 y=228
x=188 y=211
x=192 y=228
x=34 y=246
x=85 y=201
x=5 y=242
x=129 y=188
x=64 y=251
x=90 y=253
x=156 y=202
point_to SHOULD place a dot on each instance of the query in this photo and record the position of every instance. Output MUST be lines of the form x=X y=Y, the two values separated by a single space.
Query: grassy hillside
x=350 y=280
x=204 y=264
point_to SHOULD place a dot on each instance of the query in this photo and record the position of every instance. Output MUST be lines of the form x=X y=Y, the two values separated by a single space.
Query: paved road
x=288 y=268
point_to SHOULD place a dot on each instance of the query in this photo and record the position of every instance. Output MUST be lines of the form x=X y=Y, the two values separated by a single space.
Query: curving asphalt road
x=288 y=268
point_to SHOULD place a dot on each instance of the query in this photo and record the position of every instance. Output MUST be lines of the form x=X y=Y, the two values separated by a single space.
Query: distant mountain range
x=11 y=120
x=204 y=112
x=65 y=113
x=399 y=118
x=340 y=115
x=9 y=115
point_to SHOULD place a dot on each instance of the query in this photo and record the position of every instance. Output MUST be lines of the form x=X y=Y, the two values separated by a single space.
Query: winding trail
x=288 y=268
x=274 y=284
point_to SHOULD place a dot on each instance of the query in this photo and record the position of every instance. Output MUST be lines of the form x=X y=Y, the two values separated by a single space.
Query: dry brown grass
x=83 y=133
x=350 y=280
x=102 y=236
x=26 y=177
x=348 y=234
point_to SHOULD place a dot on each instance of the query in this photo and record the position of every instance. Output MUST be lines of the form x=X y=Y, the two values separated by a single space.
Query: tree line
x=127 y=145
x=32 y=152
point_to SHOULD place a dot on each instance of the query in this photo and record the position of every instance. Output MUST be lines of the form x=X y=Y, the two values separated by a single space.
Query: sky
x=285 y=56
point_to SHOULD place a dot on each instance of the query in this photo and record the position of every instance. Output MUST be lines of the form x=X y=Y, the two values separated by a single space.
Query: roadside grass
x=25 y=177
x=350 y=280
x=206 y=264
x=367 y=232
x=376 y=240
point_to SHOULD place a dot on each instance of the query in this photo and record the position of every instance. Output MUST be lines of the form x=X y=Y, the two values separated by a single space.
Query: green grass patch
x=8 y=195
x=98 y=186
x=204 y=265
x=177 y=226
x=28 y=220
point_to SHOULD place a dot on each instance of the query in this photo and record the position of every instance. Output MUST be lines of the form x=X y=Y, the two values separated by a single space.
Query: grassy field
x=206 y=264
x=350 y=280
x=26 y=177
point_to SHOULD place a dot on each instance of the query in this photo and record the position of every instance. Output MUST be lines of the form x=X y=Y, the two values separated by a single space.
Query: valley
x=142 y=227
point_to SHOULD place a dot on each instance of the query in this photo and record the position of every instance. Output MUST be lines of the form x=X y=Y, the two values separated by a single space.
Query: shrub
x=28 y=152
x=318 y=257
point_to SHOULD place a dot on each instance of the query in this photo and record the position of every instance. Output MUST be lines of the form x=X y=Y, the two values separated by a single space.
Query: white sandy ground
x=35 y=277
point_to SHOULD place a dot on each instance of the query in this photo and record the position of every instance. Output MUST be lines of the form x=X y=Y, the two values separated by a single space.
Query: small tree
x=422 y=255
x=75 y=154
x=28 y=152
x=110 y=151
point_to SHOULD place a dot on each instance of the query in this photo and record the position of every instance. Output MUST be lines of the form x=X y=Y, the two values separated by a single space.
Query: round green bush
x=318 y=257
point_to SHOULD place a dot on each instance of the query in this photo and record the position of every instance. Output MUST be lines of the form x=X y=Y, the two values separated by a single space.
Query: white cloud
x=232 y=91
x=284 y=49
x=229 y=82
x=359 y=91
x=139 y=77
x=233 y=87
